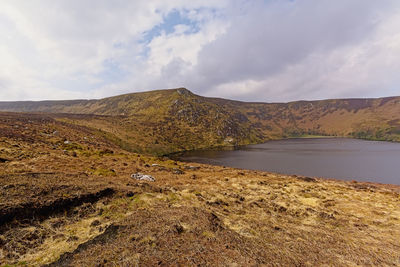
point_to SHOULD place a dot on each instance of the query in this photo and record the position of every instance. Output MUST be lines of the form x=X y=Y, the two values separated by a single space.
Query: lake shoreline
x=233 y=147
x=329 y=157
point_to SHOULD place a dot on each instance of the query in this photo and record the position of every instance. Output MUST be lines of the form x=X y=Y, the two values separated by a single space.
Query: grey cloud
x=266 y=39
x=291 y=50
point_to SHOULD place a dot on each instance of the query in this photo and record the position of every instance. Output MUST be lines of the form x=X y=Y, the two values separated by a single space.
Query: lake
x=340 y=158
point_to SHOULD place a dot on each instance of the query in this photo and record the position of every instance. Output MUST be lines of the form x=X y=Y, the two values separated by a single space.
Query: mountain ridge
x=55 y=101
x=173 y=120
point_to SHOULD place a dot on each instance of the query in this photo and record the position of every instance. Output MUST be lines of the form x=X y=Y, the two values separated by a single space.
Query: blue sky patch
x=172 y=19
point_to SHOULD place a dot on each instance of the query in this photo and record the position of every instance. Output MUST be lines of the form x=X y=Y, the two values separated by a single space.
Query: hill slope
x=74 y=204
x=166 y=121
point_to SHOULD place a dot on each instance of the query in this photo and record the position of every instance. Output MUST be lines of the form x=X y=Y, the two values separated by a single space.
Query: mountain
x=166 y=121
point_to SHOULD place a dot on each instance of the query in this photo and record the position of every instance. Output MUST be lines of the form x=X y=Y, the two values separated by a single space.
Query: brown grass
x=209 y=216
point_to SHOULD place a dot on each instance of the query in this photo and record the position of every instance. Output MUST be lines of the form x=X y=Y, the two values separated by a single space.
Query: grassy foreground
x=67 y=199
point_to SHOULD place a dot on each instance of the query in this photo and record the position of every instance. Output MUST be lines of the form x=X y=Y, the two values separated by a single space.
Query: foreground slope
x=166 y=121
x=67 y=199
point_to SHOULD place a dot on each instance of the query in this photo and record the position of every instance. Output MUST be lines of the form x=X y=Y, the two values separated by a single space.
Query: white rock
x=143 y=177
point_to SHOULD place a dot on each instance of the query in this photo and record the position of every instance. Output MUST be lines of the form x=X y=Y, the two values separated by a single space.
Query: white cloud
x=250 y=50
x=61 y=48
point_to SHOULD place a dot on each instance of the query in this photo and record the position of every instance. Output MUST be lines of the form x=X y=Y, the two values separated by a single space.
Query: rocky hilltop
x=166 y=121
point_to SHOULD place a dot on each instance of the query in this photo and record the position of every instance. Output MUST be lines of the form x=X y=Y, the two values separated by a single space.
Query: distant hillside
x=166 y=121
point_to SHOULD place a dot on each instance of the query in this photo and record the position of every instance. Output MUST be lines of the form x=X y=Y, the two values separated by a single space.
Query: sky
x=250 y=50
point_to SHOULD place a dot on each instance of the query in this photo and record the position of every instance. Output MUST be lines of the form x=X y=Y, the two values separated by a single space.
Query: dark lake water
x=341 y=158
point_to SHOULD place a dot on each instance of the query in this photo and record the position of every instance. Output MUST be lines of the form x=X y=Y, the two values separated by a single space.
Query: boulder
x=143 y=177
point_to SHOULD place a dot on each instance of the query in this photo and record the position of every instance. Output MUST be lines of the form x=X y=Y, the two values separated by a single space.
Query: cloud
x=250 y=50
x=72 y=47
x=304 y=49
